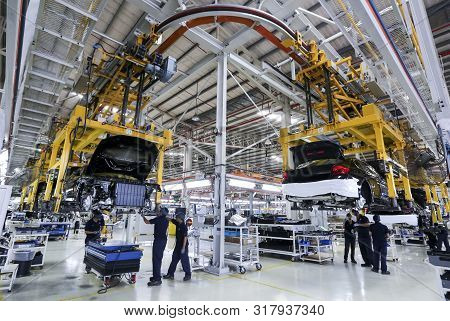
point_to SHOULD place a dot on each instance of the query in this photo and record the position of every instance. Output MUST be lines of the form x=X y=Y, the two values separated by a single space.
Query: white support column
x=218 y=265
x=250 y=203
x=187 y=168
x=286 y=123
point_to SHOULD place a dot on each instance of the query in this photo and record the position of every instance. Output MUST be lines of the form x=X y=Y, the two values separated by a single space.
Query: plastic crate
x=325 y=242
x=24 y=256
x=232 y=233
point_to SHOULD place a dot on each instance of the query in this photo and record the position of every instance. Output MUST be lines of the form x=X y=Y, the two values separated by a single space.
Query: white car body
x=321 y=190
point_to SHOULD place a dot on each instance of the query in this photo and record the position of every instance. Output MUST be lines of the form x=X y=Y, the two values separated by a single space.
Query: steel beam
x=42 y=90
x=45 y=76
x=77 y=9
x=252 y=145
x=254 y=71
x=12 y=20
x=388 y=51
x=60 y=36
x=52 y=58
x=38 y=102
x=431 y=61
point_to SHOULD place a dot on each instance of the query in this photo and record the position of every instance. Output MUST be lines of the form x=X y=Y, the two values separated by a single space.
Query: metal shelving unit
x=316 y=248
x=405 y=234
x=245 y=253
x=42 y=237
x=392 y=254
x=295 y=229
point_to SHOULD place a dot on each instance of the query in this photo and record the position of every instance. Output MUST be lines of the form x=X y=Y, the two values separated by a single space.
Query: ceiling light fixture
x=242 y=184
x=173 y=187
x=198 y=184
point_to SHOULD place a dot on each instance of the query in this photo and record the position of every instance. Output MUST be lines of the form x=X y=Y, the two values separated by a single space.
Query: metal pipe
x=137 y=112
x=309 y=111
x=125 y=96
x=326 y=73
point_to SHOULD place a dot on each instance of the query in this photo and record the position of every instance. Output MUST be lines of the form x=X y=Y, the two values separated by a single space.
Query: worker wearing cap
x=364 y=239
x=180 y=251
x=159 y=243
x=380 y=236
x=93 y=227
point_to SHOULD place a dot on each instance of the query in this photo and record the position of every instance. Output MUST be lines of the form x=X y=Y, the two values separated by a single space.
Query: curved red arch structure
x=250 y=17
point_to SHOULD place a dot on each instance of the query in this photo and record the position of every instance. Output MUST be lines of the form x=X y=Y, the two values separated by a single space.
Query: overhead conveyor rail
x=384 y=43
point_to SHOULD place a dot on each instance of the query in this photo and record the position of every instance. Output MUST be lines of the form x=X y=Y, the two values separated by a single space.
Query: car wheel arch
x=366 y=191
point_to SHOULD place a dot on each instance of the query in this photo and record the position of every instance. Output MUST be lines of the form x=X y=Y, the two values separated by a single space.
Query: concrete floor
x=63 y=278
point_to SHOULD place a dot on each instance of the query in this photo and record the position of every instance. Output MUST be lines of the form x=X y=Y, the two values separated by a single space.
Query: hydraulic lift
x=348 y=115
x=66 y=142
x=122 y=88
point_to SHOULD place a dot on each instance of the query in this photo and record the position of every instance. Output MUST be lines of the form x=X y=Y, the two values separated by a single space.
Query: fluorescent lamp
x=197 y=184
x=277 y=159
x=243 y=184
x=173 y=187
x=271 y=188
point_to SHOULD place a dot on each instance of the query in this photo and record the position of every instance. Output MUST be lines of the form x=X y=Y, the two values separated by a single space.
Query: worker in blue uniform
x=159 y=243
x=380 y=236
x=93 y=228
x=349 y=238
x=442 y=237
x=364 y=239
x=180 y=251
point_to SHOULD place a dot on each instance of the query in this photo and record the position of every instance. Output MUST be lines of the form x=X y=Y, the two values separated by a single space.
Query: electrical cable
x=111 y=285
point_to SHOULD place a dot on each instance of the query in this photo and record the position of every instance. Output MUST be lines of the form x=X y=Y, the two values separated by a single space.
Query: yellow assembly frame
x=444 y=194
x=29 y=192
x=62 y=147
x=371 y=129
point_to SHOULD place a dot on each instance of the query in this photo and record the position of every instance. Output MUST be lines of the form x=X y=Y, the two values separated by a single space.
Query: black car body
x=116 y=175
x=324 y=176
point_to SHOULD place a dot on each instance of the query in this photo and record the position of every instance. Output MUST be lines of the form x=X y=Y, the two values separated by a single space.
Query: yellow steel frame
x=63 y=145
x=22 y=197
x=431 y=203
x=371 y=129
x=29 y=192
x=436 y=203
x=112 y=94
x=348 y=119
x=444 y=194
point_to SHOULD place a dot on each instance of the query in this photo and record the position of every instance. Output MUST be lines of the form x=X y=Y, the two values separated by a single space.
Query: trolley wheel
x=242 y=270
x=258 y=266
x=132 y=279
x=295 y=259
x=106 y=281
x=88 y=269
